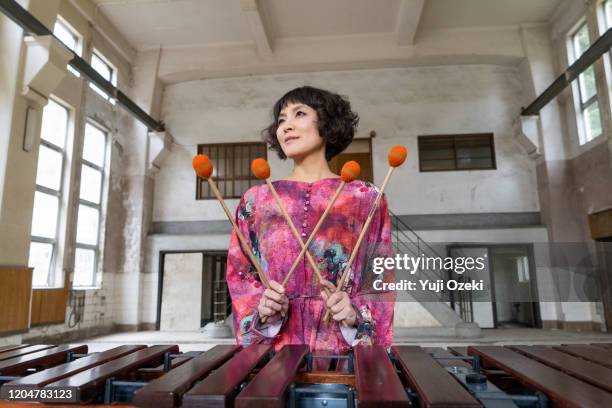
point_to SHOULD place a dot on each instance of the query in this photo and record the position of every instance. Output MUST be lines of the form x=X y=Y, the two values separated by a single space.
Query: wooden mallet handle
x=204 y=168
x=396 y=157
x=350 y=171
x=261 y=169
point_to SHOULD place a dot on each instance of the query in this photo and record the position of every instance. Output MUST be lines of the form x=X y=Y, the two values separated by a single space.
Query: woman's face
x=298 y=132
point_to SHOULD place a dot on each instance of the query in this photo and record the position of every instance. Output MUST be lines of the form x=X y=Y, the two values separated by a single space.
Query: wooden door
x=359 y=151
x=600 y=224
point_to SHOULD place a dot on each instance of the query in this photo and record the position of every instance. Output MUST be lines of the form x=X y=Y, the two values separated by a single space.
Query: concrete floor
x=189 y=341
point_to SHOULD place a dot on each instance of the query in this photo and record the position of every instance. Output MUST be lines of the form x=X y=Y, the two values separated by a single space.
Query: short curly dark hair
x=336 y=121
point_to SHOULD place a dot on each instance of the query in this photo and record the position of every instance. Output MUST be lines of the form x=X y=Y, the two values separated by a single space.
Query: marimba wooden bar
x=160 y=376
x=262 y=391
x=375 y=373
x=577 y=367
x=168 y=390
x=597 y=355
x=562 y=389
x=428 y=378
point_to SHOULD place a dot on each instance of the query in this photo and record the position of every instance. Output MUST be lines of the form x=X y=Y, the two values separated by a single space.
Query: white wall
x=399 y=104
x=103 y=304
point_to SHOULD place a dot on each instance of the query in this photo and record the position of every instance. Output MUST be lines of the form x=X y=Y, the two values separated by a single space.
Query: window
x=105 y=69
x=87 y=252
x=607 y=7
x=70 y=39
x=232 y=168
x=456 y=152
x=585 y=90
x=522 y=266
x=48 y=193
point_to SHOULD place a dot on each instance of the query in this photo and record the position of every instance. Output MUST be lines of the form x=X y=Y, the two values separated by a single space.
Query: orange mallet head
x=350 y=171
x=202 y=166
x=397 y=155
x=260 y=168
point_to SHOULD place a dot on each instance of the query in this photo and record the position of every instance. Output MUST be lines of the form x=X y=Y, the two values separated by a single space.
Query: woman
x=310 y=127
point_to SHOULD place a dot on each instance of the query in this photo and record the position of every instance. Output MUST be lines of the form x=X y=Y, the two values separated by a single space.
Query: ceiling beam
x=103 y=26
x=31 y=24
x=435 y=47
x=408 y=21
x=260 y=31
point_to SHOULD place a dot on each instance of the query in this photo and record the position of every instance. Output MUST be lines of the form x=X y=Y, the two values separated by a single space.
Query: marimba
x=256 y=376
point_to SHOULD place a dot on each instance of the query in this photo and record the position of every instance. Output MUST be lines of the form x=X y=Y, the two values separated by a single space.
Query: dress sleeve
x=374 y=323
x=243 y=281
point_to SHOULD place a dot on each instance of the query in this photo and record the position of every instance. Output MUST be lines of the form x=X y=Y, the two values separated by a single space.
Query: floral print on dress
x=275 y=246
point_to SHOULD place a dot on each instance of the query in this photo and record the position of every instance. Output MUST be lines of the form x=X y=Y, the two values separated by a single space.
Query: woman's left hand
x=339 y=304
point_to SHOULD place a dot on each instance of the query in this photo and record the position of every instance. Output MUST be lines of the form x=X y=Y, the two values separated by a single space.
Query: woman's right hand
x=272 y=302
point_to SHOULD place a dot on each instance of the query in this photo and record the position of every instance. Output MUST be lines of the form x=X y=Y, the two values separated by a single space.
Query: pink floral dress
x=276 y=248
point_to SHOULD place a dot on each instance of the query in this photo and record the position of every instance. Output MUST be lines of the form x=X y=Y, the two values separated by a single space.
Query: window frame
x=113 y=75
x=78 y=46
x=493 y=156
x=99 y=207
x=251 y=156
x=607 y=24
x=584 y=132
x=52 y=270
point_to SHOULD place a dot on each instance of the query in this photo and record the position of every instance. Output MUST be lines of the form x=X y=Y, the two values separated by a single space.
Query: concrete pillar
x=143 y=154
x=547 y=141
x=32 y=69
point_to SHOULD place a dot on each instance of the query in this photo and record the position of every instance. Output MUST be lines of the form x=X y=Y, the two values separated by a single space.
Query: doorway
x=604 y=260
x=600 y=224
x=188 y=281
x=509 y=297
x=216 y=302
x=513 y=287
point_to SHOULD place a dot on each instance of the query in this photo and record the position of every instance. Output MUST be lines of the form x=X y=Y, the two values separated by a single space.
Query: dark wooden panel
x=325 y=377
x=263 y=393
x=15 y=293
x=562 y=389
x=220 y=387
x=604 y=345
x=87 y=384
x=40 y=359
x=168 y=390
x=435 y=386
x=577 y=367
x=600 y=224
x=57 y=373
x=445 y=358
x=597 y=355
x=21 y=351
x=4 y=404
x=458 y=350
x=364 y=160
x=12 y=347
x=374 y=373
x=174 y=363
x=49 y=305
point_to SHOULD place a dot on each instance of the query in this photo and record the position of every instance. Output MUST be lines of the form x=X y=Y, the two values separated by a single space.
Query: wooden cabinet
x=15 y=298
x=49 y=305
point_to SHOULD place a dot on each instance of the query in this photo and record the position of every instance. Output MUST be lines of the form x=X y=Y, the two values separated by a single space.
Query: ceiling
x=176 y=23
x=439 y=14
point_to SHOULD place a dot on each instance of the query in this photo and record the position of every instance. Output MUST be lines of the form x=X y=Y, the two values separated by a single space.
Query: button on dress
x=276 y=248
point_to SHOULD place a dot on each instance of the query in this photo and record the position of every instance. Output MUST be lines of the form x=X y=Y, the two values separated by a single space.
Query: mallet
x=350 y=171
x=397 y=156
x=261 y=170
x=204 y=169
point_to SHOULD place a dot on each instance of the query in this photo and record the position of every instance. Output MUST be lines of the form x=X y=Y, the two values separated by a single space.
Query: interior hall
x=108 y=237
